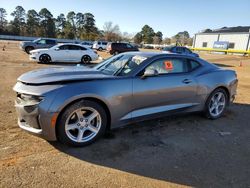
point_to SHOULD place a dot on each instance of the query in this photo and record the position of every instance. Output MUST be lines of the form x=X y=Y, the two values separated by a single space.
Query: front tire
x=85 y=59
x=44 y=58
x=81 y=123
x=28 y=49
x=100 y=49
x=216 y=104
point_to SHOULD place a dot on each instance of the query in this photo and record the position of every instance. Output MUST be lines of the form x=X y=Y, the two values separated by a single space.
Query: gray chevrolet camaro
x=76 y=105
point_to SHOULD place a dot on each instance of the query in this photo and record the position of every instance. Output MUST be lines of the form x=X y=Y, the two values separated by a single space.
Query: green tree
x=18 y=24
x=47 y=23
x=157 y=39
x=138 y=38
x=3 y=21
x=89 y=27
x=60 y=26
x=147 y=34
x=32 y=24
x=181 y=38
x=71 y=25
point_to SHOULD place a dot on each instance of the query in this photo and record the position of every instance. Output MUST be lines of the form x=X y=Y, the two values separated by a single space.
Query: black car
x=118 y=47
x=179 y=50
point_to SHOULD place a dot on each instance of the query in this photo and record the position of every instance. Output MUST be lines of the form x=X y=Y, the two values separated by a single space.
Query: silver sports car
x=76 y=105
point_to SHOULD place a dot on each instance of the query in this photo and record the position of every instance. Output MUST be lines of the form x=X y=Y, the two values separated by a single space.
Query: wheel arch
x=29 y=46
x=221 y=87
x=99 y=101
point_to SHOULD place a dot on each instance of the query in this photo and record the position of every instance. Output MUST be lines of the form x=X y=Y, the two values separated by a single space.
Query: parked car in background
x=76 y=105
x=148 y=47
x=115 y=48
x=40 y=43
x=179 y=50
x=64 y=53
x=100 y=45
x=87 y=44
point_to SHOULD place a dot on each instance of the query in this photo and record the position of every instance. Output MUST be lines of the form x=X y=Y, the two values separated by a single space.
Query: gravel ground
x=174 y=151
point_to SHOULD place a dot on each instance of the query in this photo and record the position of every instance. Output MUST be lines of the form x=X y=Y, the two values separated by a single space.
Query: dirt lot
x=171 y=152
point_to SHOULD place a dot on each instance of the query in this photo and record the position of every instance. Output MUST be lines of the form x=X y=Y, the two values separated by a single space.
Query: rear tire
x=45 y=58
x=81 y=123
x=28 y=49
x=216 y=104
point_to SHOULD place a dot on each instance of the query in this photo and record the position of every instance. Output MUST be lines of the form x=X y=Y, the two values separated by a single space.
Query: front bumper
x=33 y=57
x=28 y=118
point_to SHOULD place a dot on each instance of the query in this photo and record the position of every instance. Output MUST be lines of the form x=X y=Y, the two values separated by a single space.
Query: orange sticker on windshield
x=168 y=65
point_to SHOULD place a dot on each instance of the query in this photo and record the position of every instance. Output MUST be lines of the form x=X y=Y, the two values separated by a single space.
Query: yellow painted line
x=220 y=50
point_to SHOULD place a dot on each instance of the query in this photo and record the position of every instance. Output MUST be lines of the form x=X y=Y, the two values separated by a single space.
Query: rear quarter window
x=193 y=65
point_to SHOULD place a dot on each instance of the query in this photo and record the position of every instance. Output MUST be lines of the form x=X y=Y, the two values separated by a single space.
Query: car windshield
x=36 y=40
x=121 y=65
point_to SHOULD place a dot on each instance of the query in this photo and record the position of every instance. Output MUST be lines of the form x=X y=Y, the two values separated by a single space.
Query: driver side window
x=169 y=65
x=42 y=41
x=64 y=47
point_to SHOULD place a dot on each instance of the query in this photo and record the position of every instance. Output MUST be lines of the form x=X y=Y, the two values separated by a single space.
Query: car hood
x=61 y=74
x=27 y=43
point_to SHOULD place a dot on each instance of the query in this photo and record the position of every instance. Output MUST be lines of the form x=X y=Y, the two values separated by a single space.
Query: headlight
x=28 y=100
x=35 y=53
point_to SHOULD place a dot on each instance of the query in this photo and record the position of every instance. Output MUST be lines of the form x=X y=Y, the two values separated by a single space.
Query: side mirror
x=149 y=73
x=57 y=49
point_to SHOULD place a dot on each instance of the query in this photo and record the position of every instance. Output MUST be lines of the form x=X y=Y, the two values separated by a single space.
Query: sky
x=169 y=17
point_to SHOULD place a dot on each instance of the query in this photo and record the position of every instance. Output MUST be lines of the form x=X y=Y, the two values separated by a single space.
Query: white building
x=237 y=38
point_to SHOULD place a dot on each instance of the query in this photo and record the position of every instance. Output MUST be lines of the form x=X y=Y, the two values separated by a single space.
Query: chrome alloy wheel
x=217 y=104
x=83 y=124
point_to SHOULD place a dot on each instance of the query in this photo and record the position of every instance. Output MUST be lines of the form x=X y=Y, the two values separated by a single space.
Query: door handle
x=187 y=81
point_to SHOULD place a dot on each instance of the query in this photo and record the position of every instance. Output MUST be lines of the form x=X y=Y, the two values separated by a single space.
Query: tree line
x=43 y=24
x=148 y=36
x=77 y=26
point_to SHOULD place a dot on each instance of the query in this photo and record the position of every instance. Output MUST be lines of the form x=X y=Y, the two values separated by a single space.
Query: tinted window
x=168 y=48
x=193 y=64
x=179 y=49
x=104 y=43
x=99 y=43
x=169 y=65
x=129 y=46
x=64 y=47
x=73 y=47
x=187 y=51
x=50 y=41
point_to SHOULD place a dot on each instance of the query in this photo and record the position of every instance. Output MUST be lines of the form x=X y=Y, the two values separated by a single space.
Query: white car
x=64 y=53
x=100 y=45
x=87 y=44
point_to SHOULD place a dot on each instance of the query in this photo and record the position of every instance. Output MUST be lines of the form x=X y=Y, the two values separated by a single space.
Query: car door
x=172 y=88
x=41 y=44
x=75 y=53
x=61 y=54
x=50 y=43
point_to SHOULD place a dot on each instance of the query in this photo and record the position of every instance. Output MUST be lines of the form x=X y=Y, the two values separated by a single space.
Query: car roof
x=152 y=54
